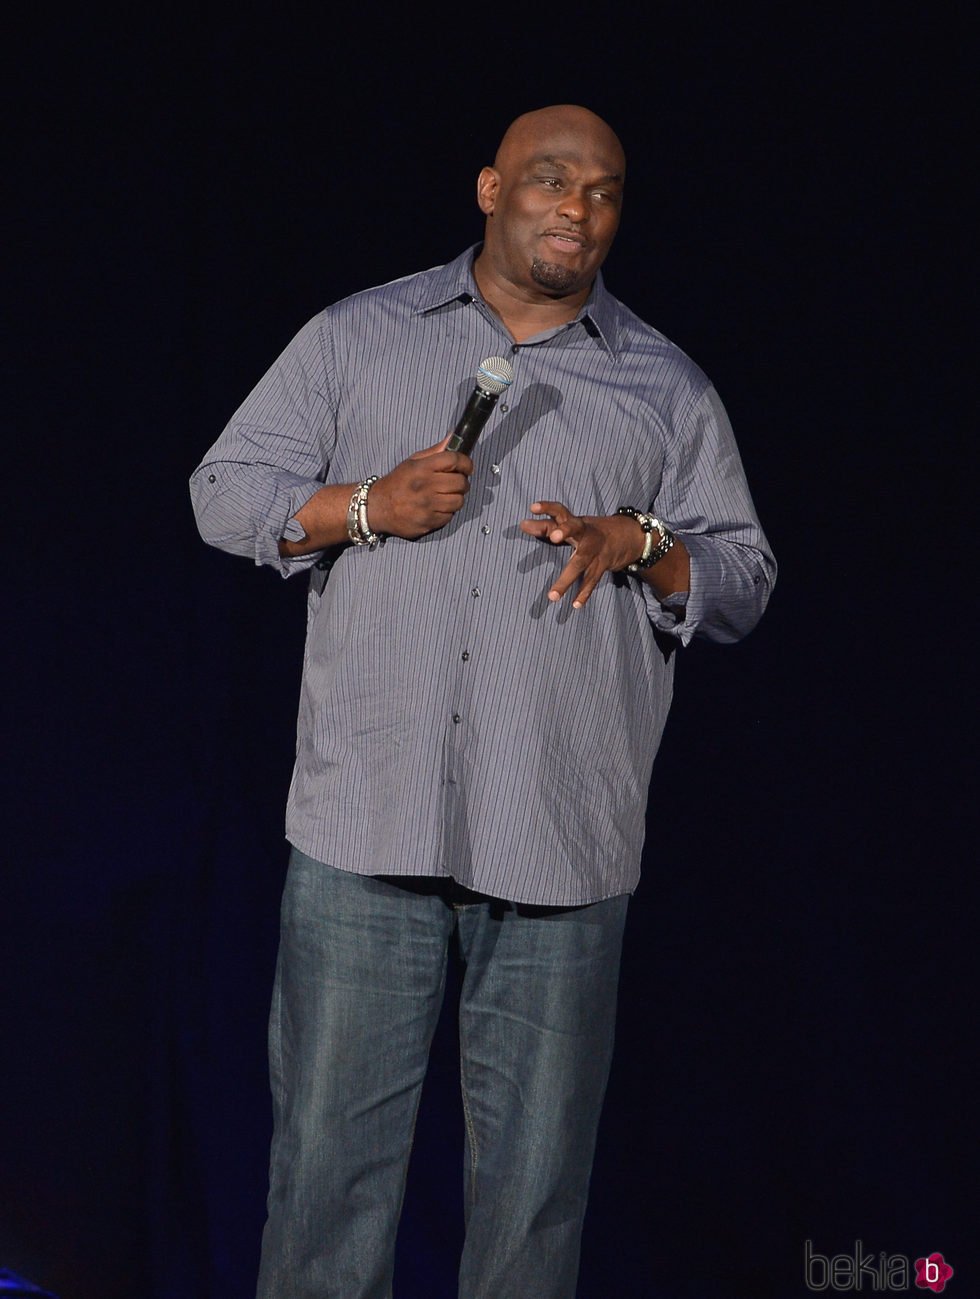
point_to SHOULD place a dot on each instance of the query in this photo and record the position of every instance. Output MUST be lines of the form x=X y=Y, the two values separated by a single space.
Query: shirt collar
x=454 y=282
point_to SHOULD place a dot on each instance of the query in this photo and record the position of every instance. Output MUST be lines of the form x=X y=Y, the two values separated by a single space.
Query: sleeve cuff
x=281 y=522
x=707 y=581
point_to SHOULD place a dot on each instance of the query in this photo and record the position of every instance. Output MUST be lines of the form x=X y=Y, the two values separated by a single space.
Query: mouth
x=566 y=241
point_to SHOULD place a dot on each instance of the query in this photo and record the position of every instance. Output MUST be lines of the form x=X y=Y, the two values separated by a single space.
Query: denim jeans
x=359 y=985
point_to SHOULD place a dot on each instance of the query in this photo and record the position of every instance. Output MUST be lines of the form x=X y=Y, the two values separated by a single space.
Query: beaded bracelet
x=651 y=553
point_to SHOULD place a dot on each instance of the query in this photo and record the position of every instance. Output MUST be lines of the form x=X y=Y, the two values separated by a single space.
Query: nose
x=574 y=205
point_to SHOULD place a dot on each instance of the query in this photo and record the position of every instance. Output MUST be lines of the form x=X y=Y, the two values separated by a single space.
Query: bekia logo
x=887 y=1272
x=932 y=1273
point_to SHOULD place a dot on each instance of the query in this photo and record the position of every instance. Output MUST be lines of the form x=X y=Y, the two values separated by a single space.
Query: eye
x=551 y=181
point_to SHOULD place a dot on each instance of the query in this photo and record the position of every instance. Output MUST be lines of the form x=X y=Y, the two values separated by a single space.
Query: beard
x=551 y=275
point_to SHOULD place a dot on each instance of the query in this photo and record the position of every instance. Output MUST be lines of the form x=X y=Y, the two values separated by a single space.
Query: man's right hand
x=417 y=496
x=421 y=494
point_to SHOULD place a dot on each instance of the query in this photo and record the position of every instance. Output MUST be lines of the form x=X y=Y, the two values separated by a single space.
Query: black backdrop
x=794 y=1045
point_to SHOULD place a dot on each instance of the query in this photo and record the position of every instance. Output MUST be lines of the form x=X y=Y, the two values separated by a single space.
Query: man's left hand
x=600 y=544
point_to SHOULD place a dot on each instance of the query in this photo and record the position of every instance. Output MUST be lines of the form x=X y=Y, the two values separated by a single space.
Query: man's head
x=552 y=201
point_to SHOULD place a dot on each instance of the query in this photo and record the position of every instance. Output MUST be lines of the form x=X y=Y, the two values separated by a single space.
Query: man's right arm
x=260 y=490
x=418 y=496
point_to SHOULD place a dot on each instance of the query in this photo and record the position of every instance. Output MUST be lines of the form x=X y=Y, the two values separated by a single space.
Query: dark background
x=797 y=1023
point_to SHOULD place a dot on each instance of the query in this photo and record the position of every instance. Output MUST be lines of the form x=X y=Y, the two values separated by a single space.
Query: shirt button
x=495 y=469
x=211 y=478
x=486 y=530
x=504 y=406
x=465 y=655
x=456 y=718
x=475 y=592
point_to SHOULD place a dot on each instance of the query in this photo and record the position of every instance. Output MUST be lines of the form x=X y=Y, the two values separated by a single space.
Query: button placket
x=477 y=592
x=469 y=632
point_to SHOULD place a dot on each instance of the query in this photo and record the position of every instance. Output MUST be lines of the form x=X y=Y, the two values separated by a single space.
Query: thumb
x=433 y=450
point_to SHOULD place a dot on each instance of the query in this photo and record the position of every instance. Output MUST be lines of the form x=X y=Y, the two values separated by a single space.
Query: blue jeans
x=359 y=985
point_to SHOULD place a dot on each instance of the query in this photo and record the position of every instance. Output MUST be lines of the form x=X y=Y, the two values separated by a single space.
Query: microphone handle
x=471 y=423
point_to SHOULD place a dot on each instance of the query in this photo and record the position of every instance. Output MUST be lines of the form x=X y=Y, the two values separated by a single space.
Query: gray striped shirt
x=452 y=720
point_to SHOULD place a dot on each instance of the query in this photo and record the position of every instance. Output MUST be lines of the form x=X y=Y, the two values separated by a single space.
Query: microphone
x=494 y=376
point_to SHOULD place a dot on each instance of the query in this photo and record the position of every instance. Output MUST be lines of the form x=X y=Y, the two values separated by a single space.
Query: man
x=480 y=707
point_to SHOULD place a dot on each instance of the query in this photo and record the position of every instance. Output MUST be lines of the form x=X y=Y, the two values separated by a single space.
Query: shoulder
x=649 y=359
x=384 y=319
x=639 y=343
x=404 y=296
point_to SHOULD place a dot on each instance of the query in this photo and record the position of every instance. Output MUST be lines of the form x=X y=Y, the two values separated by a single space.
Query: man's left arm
x=717 y=577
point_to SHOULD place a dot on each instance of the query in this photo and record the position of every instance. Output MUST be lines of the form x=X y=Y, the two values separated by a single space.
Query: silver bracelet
x=358 y=528
x=651 y=553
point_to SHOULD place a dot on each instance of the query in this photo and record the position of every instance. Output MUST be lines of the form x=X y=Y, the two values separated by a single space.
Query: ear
x=486 y=190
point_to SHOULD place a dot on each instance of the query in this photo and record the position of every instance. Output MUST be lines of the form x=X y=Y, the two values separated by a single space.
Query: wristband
x=652 y=554
x=358 y=528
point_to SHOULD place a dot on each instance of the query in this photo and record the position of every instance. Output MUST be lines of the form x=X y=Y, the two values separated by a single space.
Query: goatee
x=551 y=275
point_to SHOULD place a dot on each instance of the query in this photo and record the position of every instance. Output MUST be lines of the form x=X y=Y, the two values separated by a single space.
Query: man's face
x=552 y=201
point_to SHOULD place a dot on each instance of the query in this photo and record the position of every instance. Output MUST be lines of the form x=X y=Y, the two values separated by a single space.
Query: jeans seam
x=467 y=1115
x=415 y=1119
x=277 y=1071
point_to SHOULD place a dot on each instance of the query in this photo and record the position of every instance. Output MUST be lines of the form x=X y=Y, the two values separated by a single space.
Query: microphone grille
x=495 y=375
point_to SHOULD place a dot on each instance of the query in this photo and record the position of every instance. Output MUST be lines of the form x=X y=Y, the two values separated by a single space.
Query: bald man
x=488 y=672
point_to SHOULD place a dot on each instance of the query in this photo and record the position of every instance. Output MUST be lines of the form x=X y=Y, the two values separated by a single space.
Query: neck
x=521 y=313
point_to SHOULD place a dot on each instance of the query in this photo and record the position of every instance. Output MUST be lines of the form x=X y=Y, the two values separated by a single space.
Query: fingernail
x=553 y=595
x=576 y=604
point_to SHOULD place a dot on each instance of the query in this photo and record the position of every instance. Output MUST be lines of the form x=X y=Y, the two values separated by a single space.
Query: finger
x=545 y=530
x=536 y=528
x=560 y=513
x=448 y=502
x=451 y=484
x=447 y=462
x=589 y=575
x=456 y=459
x=439 y=518
x=590 y=580
x=569 y=574
x=567 y=526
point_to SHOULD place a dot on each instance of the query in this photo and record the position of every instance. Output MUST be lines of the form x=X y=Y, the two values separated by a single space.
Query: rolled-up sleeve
x=704 y=498
x=272 y=457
